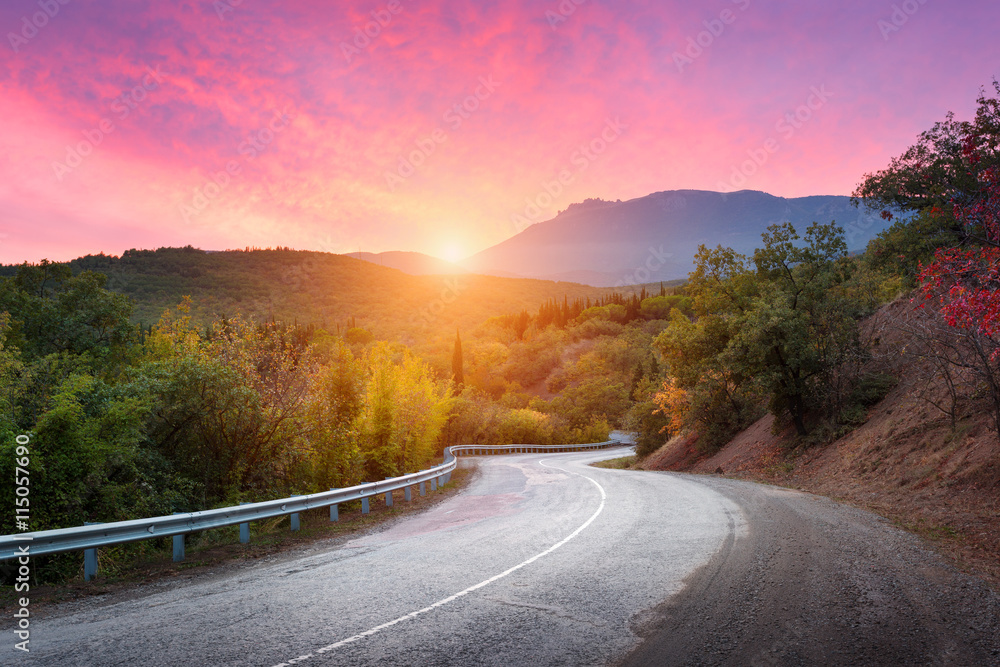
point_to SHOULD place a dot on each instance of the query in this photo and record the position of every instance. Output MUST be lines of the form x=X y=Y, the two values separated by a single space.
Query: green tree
x=457 y=371
x=803 y=325
x=651 y=425
x=228 y=409
x=780 y=326
x=721 y=398
x=53 y=311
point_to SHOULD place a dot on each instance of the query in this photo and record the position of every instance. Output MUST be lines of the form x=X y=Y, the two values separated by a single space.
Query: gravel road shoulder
x=816 y=582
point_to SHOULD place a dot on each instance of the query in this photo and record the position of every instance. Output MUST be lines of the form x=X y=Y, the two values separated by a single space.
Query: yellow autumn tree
x=672 y=402
x=403 y=412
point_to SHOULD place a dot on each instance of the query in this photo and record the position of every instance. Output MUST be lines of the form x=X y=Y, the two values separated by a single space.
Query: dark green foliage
x=592 y=397
x=54 y=311
x=782 y=328
x=650 y=426
x=869 y=390
x=803 y=325
x=872 y=388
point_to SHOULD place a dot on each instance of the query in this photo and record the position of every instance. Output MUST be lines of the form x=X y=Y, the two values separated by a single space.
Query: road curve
x=544 y=560
x=541 y=560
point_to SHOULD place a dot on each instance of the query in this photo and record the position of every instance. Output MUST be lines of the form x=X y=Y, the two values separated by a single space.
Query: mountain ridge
x=655 y=237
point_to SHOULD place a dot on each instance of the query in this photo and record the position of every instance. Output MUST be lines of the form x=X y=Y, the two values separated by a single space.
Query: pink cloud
x=320 y=182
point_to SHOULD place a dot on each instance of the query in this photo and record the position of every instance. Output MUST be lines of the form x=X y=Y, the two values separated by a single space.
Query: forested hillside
x=874 y=379
x=327 y=291
x=314 y=288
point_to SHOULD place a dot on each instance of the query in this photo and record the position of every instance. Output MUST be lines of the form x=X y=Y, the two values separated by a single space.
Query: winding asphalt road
x=544 y=560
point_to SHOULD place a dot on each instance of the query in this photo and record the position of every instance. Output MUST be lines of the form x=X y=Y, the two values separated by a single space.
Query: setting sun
x=452 y=252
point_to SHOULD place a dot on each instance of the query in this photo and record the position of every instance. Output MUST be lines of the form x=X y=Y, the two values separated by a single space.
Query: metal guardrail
x=476 y=450
x=89 y=537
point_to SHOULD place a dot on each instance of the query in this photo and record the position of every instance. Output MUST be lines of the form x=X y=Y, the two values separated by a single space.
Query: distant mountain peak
x=615 y=243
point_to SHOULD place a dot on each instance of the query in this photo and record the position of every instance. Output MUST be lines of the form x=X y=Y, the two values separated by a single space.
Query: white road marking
x=470 y=589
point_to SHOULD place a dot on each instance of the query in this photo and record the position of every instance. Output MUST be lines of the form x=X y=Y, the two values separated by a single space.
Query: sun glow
x=452 y=252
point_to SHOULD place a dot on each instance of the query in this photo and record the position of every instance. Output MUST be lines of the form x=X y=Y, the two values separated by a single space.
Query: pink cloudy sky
x=317 y=179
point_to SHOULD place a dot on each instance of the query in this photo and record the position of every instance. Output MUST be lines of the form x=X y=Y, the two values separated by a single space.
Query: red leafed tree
x=964 y=279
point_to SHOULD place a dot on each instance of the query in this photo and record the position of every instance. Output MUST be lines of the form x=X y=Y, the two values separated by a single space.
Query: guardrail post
x=244 y=530
x=295 y=515
x=434 y=483
x=89 y=564
x=364 y=506
x=334 y=511
x=179 y=545
x=178 y=548
x=423 y=489
x=407 y=494
x=90 y=558
x=388 y=496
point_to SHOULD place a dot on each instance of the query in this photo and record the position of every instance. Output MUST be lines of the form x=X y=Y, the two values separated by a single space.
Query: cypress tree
x=456 y=361
x=636 y=379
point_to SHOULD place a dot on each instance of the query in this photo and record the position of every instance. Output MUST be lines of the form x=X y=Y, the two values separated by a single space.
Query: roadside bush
x=648 y=422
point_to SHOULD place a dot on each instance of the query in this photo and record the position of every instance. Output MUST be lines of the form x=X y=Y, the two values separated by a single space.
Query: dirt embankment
x=906 y=462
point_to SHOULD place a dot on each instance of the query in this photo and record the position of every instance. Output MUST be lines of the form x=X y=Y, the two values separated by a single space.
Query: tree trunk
x=798 y=417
